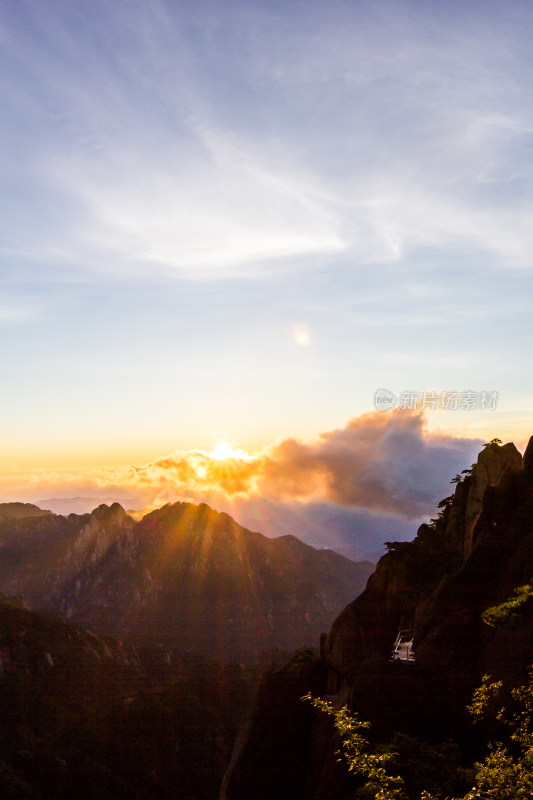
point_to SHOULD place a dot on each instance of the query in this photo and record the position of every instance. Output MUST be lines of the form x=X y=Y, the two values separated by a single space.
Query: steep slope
x=32 y=545
x=184 y=576
x=55 y=681
x=472 y=557
x=83 y=717
x=36 y=645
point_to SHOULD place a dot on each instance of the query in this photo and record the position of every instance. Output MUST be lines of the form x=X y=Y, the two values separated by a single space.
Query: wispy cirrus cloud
x=369 y=133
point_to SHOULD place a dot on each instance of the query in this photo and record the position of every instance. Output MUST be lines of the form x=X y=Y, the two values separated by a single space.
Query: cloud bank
x=350 y=489
x=381 y=462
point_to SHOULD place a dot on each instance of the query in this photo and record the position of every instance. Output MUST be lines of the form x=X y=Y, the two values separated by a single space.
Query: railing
x=403 y=647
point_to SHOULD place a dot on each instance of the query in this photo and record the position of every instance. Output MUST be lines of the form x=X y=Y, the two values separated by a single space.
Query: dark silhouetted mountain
x=55 y=679
x=83 y=717
x=31 y=547
x=20 y=510
x=184 y=576
x=77 y=505
x=472 y=557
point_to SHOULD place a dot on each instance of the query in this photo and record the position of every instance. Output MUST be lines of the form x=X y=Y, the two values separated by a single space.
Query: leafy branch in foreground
x=506 y=773
x=509 y=612
x=355 y=749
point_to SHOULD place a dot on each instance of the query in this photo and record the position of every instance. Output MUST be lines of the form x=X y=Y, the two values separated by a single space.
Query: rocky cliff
x=35 y=646
x=472 y=556
x=184 y=576
x=82 y=716
x=55 y=681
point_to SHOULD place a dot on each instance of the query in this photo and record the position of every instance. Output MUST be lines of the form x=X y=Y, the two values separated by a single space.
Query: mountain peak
x=492 y=462
x=114 y=511
x=188 y=576
x=528 y=457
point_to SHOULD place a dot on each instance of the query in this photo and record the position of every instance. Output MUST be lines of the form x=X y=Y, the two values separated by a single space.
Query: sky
x=237 y=221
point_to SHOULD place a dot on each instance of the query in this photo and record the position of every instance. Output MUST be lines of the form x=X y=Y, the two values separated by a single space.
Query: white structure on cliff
x=403 y=647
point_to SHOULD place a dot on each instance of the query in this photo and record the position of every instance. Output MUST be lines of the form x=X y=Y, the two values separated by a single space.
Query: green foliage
x=509 y=612
x=371 y=767
x=409 y=768
x=492 y=441
x=485 y=699
x=399 y=547
x=507 y=771
x=428 y=769
x=446 y=502
x=503 y=777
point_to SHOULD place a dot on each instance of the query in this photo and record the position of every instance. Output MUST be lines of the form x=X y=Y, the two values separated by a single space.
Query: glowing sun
x=222 y=450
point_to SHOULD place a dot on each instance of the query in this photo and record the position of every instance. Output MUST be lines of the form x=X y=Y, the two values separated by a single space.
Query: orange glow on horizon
x=330 y=467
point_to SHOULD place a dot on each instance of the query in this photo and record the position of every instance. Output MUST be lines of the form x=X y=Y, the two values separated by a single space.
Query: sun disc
x=222 y=450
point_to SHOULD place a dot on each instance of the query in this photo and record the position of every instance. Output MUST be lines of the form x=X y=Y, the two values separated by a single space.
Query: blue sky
x=186 y=186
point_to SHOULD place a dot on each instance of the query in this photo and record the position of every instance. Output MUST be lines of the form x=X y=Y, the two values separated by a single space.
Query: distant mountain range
x=355 y=533
x=78 y=505
x=183 y=576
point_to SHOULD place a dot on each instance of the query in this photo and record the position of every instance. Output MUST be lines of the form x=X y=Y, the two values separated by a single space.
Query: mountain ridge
x=184 y=575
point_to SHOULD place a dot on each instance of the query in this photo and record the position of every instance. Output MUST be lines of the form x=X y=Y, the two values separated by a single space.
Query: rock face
x=472 y=557
x=184 y=576
x=38 y=646
x=31 y=547
x=429 y=587
x=528 y=457
x=492 y=462
x=84 y=717
x=278 y=707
